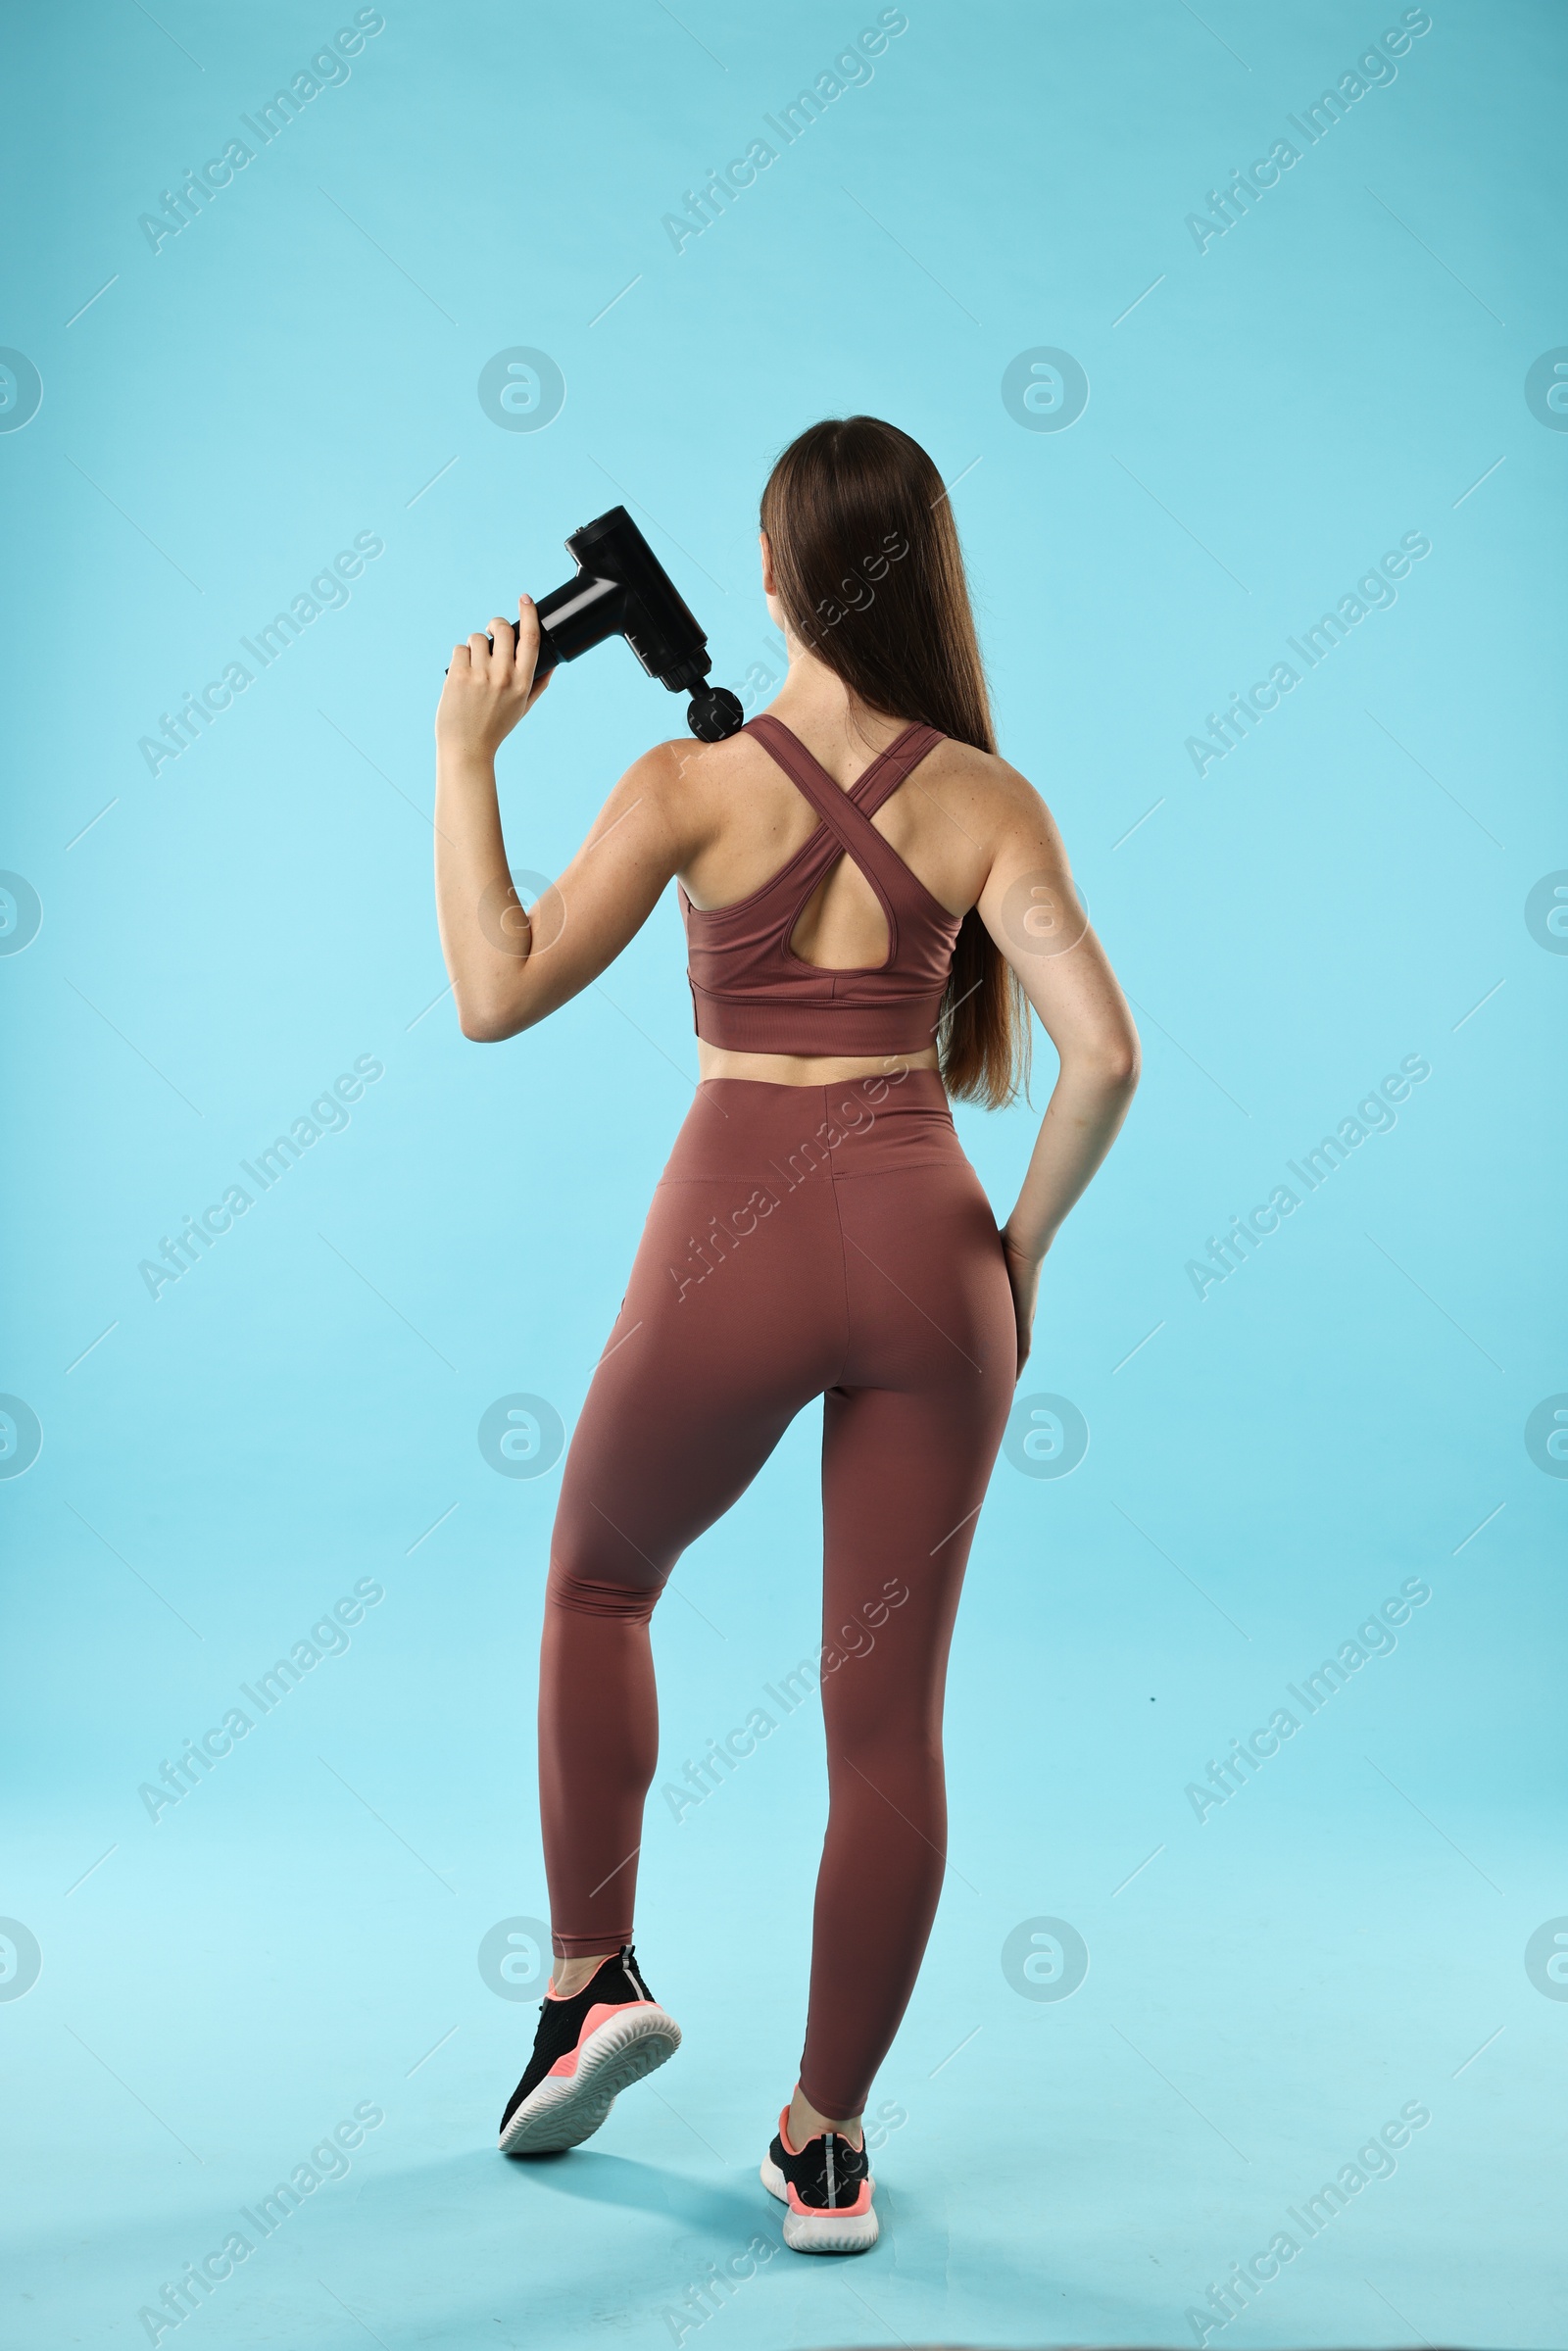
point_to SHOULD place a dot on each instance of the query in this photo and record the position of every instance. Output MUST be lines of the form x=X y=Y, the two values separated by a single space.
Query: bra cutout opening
x=844 y=900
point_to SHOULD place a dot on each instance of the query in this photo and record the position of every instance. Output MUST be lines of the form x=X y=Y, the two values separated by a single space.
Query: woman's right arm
x=509 y=969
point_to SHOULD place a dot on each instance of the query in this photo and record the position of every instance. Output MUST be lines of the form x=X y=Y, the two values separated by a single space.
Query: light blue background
x=1345 y=889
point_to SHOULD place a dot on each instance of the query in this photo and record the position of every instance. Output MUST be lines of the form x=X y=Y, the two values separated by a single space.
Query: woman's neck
x=834 y=724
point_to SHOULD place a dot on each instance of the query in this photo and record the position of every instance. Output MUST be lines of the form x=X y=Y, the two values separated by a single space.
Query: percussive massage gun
x=622 y=588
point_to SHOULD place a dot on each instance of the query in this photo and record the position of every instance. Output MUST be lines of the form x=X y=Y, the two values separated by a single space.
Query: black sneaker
x=587 y=2051
x=827 y=2188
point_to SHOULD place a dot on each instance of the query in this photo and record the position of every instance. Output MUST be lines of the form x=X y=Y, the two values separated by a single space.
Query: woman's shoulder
x=989 y=785
x=688 y=772
x=694 y=784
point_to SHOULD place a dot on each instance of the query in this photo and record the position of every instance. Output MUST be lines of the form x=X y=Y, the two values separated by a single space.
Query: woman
x=870 y=894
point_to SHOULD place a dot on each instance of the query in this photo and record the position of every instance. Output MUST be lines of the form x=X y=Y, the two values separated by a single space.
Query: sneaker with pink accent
x=588 y=2049
x=827 y=2186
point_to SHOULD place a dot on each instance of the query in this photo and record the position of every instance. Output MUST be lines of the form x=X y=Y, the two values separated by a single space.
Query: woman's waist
x=869 y=1123
x=788 y=1068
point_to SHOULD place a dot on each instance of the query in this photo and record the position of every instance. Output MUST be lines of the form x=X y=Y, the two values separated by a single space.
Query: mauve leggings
x=804 y=1240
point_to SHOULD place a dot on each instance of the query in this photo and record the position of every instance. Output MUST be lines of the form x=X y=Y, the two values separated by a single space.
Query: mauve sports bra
x=750 y=993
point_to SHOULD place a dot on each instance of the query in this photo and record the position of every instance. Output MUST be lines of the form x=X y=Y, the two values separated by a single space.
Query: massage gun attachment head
x=714 y=715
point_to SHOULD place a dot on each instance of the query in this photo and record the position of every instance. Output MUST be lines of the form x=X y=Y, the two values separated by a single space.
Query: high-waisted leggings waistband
x=855 y=1126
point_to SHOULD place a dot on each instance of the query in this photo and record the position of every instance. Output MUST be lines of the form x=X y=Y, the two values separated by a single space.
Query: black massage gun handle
x=570 y=611
x=620 y=589
x=576 y=618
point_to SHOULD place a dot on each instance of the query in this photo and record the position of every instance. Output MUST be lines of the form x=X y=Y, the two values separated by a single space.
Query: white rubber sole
x=821 y=2232
x=565 y=2109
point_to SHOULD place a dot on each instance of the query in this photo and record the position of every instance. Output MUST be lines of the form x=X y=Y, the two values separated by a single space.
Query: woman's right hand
x=490 y=686
x=1024 y=1274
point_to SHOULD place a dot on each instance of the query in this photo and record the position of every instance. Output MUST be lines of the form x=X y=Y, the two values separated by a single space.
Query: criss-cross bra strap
x=848 y=814
x=889 y=769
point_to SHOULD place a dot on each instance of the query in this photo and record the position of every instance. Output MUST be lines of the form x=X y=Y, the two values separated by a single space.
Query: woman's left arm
x=510 y=969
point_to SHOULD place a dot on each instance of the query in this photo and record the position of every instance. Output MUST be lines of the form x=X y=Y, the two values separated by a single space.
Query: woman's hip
x=839 y=1232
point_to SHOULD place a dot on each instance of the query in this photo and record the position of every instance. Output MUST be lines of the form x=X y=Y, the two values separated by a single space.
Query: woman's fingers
x=495 y=681
x=507 y=646
x=528 y=651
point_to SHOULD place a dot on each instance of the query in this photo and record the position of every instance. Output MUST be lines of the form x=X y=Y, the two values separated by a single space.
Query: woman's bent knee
x=584 y=1594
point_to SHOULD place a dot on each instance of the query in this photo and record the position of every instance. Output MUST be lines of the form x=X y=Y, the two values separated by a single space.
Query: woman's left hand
x=1023 y=1273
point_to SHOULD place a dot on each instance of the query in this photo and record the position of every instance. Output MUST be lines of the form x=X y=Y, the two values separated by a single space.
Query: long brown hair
x=868 y=568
